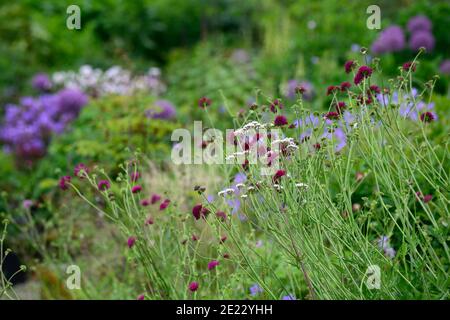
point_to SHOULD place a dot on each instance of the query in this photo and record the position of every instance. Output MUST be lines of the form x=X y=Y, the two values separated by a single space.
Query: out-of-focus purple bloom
x=167 y=110
x=391 y=39
x=355 y=47
x=255 y=290
x=240 y=56
x=419 y=22
x=289 y=297
x=259 y=243
x=41 y=82
x=422 y=39
x=338 y=135
x=383 y=244
x=27 y=203
x=210 y=198
x=291 y=85
x=444 y=67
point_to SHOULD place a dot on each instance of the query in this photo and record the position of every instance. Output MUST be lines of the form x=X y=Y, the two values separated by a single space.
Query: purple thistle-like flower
x=280 y=121
x=422 y=39
x=391 y=39
x=103 y=185
x=213 y=264
x=80 y=170
x=255 y=290
x=193 y=286
x=363 y=72
x=131 y=241
x=419 y=23
x=64 y=182
x=136 y=189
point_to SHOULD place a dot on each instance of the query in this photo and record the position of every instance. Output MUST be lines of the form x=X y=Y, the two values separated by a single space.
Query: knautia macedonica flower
x=349 y=66
x=204 y=102
x=340 y=107
x=332 y=89
x=221 y=215
x=363 y=72
x=193 y=286
x=276 y=105
x=155 y=198
x=280 y=121
x=131 y=241
x=145 y=202
x=331 y=115
x=136 y=189
x=80 y=170
x=140 y=297
x=213 y=264
x=164 y=204
x=199 y=211
x=407 y=66
x=278 y=175
x=427 y=117
x=103 y=185
x=344 y=86
x=134 y=176
x=64 y=182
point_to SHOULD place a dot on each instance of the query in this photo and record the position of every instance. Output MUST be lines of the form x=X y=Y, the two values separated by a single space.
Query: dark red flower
x=221 y=215
x=300 y=89
x=331 y=115
x=427 y=117
x=278 y=175
x=194 y=237
x=131 y=241
x=103 y=185
x=226 y=255
x=198 y=211
x=349 y=66
x=212 y=264
x=80 y=170
x=145 y=202
x=155 y=198
x=340 y=107
x=409 y=66
x=427 y=198
x=275 y=105
x=149 y=221
x=363 y=72
x=164 y=204
x=345 y=86
x=193 y=286
x=280 y=121
x=204 y=102
x=374 y=89
x=64 y=182
x=317 y=146
x=331 y=89
x=223 y=239
x=134 y=176
x=136 y=189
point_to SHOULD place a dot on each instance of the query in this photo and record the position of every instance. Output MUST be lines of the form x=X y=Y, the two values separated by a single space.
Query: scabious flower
x=345 y=86
x=340 y=107
x=275 y=105
x=255 y=290
x=164 y=204
x=80 y=170
x=149 y=221
x=193 y=286
x=204 y=102
x=332 y=89
x=134 y=176
x=41 y=82
x=167 y=110
x=64 y=182
x=155 y=198
x=221 y=215
x=280 y=121
x=141 y=297
x=444 y=67
x=27 y=203
x=331 y=115
x=145 y=202
x=419 y=22
x=422 y=39
x=349 y=66
x=277 y=176
x=427 y=117
x=212 y=264
x=198 y=211
x=409 y=66
x=374 y=89
x=391 y=39
x=136 y=189
x=103 y=185
x=294 y=87
x=363 y=72
x=131 y=241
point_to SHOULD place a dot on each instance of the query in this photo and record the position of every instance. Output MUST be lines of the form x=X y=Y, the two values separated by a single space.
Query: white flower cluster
x=115 y=80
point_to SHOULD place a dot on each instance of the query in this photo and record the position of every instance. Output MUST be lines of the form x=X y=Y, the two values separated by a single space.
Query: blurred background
x=136 y=69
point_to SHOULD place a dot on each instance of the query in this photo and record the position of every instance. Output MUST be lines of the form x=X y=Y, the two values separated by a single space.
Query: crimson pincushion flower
x=136 y=189
x=131 y=241
x=340 y=107
x=164 y=204
x=155 y=198
x=275 y=105
x=212 y=264
x=345 y=86
x=300 y=89
x=198 y=211
x=280 y=173
x=145 y=202
x=193 y=286
x=80 y=170
x=331 y=89
x=134 y=176
x=409 y=66
x=427 y=117
x=280 y=121
x=349 y=66
x=221 y=215
x=331 y=115
x=204 y=102
x=374 y=89
x=363 y=72
x=103 y=185
x=64 y=182
x=140 y=297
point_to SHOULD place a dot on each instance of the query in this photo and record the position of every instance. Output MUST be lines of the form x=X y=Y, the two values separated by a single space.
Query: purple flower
x=193 y=286
x=41 y=82
x=27 y=203
x=419 y=23
x=131 y=241
x=444 y=67
x=391 y=39
x=422 y=39
x=167 y=110
x=213 y=264
x=80 y=170
x=293 y=86
x=363 y=72
x=136 y=189
x=103 y=185
x=64 y=182
x=255 y=290
x=289 y=297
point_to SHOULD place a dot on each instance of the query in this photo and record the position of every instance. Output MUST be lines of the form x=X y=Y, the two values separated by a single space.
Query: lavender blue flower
x=444 y=67
x=41 y=82
x=255 y=290
x=167 y=110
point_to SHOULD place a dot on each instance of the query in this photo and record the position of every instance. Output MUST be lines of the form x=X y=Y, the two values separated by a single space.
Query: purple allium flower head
x=444 y=67
x=103 y=185
x=41 y=82
x=193 y=286
x=71 y=101
x=422 y=39
x=289 y=297
x=64 y=182
x=419 y=23
x=213 y=264
x=391 y=39
x=167 y=110
x=255 y=290
x=131 y=241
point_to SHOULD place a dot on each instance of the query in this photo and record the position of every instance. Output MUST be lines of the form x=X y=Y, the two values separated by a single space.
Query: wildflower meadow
x=225 y=150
